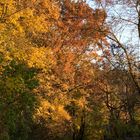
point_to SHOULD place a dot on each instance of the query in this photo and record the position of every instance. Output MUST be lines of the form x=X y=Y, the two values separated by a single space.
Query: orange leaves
x=85 y=25
x=79 y=27
x=68 y=64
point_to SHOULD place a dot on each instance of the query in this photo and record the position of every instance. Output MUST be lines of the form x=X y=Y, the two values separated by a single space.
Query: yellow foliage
x=38 y=57
x=56 y=112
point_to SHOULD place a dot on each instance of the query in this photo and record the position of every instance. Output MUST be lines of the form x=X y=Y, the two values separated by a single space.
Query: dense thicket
x=65 y=74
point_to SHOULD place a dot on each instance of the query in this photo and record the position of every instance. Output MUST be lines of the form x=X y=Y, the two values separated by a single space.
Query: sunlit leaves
x=47 y=74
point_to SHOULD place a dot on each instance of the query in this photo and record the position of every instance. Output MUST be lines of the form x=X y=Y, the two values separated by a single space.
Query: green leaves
x=18 y=101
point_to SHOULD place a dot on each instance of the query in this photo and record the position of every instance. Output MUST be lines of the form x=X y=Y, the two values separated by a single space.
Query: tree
x=123 y=64
x=17 y=102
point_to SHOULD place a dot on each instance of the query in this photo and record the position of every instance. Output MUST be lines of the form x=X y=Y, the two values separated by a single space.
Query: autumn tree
x=122 y=93
x=21 y=61
x=64 y=73
x=76 y=39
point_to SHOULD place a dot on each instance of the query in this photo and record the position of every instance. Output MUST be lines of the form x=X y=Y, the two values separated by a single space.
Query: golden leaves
x=41 y=58
x=62 y=58
x=56 y=112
